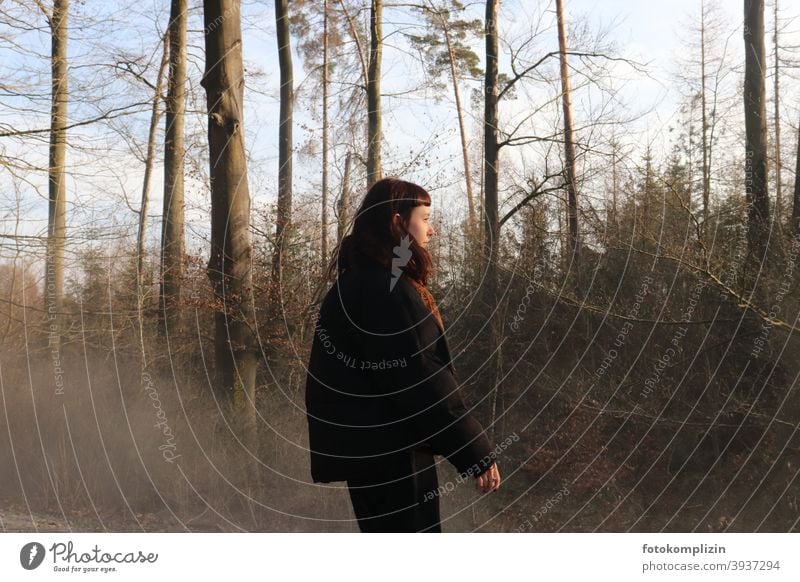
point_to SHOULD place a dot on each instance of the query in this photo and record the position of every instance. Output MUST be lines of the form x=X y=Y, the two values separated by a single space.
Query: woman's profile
x=381 y=394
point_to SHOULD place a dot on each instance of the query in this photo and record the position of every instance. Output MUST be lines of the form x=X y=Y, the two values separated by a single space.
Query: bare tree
x=755 y=118
x=374 y=132
x=325 y=145
x=777 y=114
x=570 y=181
x=284 y=211
x=57 y=213
x=704 y=114
x=230 y=263
x=149 y=161
x=796 y=202
x=491 y=149
x=703 y=70
x=444 y=46
x=344 y=198
x=172 y=230
x=312 y=21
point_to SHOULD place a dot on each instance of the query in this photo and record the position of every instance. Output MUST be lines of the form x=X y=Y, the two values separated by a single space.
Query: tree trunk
x=172 y=230
x=356 y=39
x=648 y=183
x=471 y=221
x=778 y=186
x=57 y=211
x=491 y=148
x=374 y=133
x=569 y=141
x=614 y=188
x=482 y=192
x=755 y=118
x=344 y=198
x=324 y=245
x=284 y=211
x=229 y=266
x=492 y=223
x=704 y=113
x=155 y=115
x=796 y=202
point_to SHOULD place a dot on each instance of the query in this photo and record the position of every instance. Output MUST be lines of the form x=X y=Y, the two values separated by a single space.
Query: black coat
x=381 y=383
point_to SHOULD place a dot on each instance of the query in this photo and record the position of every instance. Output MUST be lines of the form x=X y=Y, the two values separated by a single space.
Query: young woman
x=381 y=392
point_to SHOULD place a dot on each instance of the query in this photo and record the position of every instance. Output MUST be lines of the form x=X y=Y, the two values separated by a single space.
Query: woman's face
x=419 y=224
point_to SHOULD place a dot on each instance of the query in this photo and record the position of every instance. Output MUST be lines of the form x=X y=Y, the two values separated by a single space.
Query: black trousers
x=392 y=496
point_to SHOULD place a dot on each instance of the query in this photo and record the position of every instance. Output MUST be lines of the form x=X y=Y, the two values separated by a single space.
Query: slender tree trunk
x=356 y=39
x=152 y=136
x=230 y=263
x=648 y=183
x=284 y=213
x=796 y=201
x=755 y=118
x=155 y=116
x=57 y=211
x=374 y=132
x=569 y=140
x=482 y=193
x=492 y=168
x=778 y=185
x=344 y=198
x=614 y=189
x=471 y=220
x=491 y=148
x=172 y=230
x=703 y=104
x=324 y=245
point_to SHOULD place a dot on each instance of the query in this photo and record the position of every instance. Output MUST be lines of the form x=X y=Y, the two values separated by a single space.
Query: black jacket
x=381 y=383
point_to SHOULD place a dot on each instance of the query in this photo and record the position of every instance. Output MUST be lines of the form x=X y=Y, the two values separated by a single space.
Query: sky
x=647 y=32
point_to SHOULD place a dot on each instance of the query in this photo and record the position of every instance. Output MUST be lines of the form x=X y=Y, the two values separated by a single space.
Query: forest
x=618 y=227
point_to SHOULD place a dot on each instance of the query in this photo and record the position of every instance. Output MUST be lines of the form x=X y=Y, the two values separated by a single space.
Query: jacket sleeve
x=417 y=385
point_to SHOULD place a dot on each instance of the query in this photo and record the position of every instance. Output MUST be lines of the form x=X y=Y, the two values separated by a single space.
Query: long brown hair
x=375 y=234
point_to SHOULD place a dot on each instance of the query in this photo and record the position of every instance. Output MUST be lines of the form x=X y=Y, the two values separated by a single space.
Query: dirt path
x=15 y=519
x=18 y=519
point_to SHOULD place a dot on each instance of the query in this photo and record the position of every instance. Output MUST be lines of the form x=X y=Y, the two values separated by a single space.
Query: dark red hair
x=375 y=234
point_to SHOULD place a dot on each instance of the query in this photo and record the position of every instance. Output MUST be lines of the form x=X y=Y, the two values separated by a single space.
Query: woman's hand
x=490 y=480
